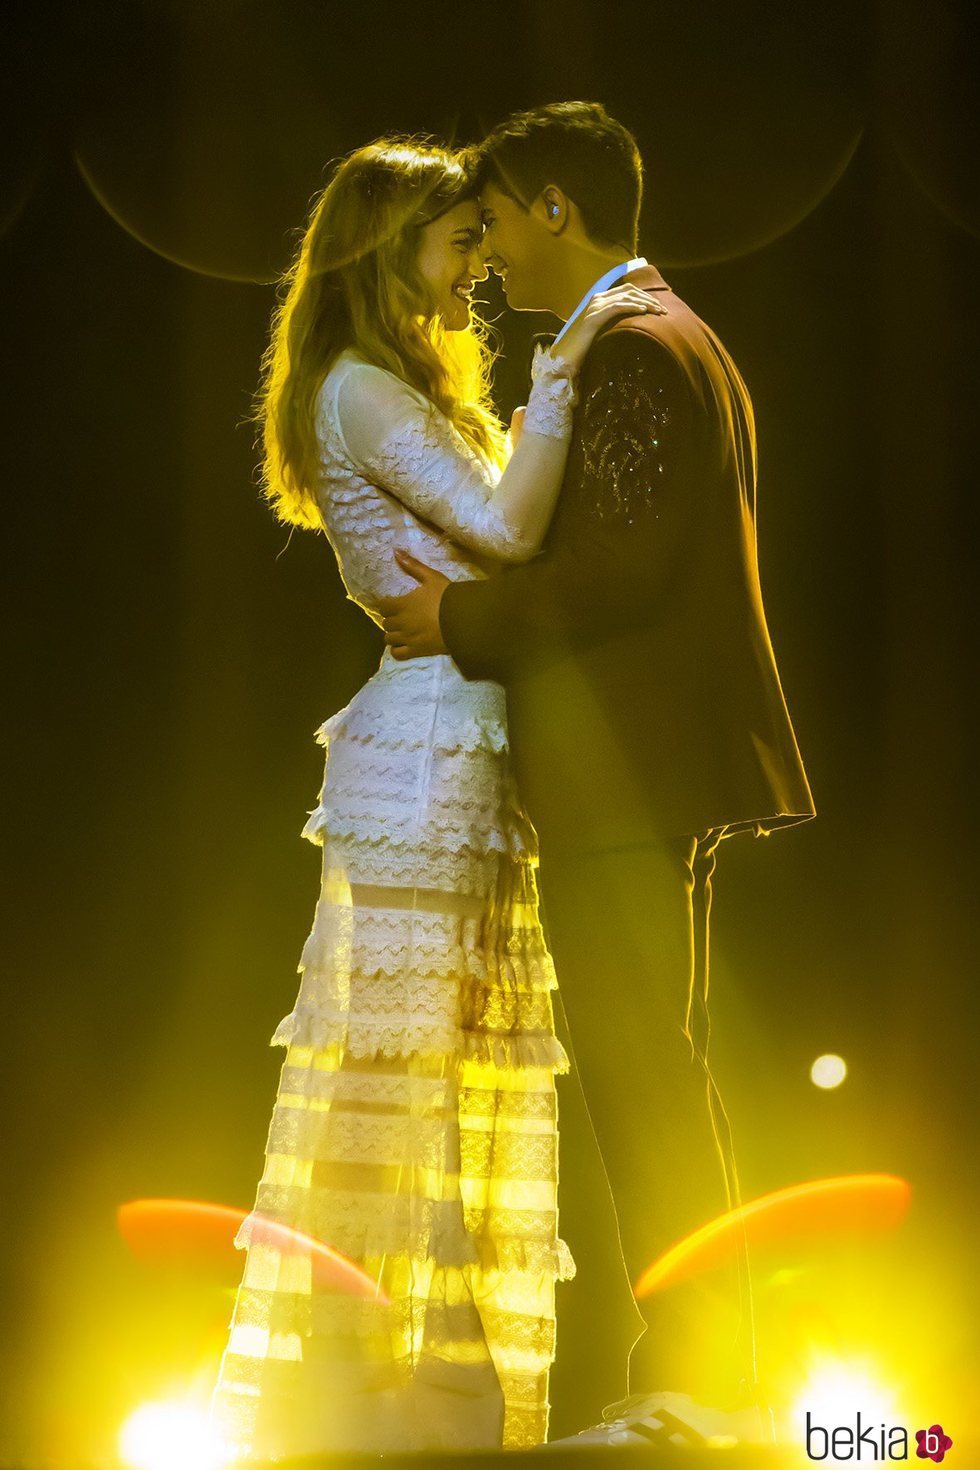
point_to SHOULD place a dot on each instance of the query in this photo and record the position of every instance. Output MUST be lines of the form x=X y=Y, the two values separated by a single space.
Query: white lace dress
x=415 y=1126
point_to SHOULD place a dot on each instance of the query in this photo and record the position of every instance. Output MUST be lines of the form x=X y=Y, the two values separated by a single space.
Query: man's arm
x=633 y=512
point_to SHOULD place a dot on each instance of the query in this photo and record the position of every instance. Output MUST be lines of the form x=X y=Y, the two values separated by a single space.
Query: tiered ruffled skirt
x=415 y=1126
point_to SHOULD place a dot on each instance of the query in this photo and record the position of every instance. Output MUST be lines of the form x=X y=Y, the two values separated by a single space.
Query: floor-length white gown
x=415 y=1124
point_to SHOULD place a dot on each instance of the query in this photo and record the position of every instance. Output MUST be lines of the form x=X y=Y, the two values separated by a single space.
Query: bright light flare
x=192 y=1232
x=837 y=1390
x=159 y=1436
x=828 y=1071
x=862 y=1203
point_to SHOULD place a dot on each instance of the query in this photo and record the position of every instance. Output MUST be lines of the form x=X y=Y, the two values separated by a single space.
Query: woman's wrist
x=551 y=361
x=552 y=398
x=559 y=360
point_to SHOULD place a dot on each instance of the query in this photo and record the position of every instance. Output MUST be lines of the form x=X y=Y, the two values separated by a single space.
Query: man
x=646 y=714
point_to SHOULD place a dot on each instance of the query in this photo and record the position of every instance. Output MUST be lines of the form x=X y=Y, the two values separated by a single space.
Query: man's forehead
x=491 y=196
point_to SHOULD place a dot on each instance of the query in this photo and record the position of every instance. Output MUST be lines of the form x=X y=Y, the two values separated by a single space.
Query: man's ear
x=553 y=208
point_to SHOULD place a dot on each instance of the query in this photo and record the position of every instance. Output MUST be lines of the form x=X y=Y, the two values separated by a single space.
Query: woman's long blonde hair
x=354 y=283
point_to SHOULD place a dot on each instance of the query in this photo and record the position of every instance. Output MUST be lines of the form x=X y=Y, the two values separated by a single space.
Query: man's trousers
x=628 y=929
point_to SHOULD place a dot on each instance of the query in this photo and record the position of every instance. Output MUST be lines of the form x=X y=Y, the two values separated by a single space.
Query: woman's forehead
x=462 y=216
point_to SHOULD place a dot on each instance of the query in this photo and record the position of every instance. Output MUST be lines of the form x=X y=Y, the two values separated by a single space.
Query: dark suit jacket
x=643 y=695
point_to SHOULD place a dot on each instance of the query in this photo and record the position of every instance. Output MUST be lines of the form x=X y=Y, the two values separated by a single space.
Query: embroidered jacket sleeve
x=623 y=534
x=398 y=440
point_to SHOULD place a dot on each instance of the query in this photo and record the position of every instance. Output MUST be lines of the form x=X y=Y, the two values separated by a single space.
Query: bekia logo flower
x=932 y=1443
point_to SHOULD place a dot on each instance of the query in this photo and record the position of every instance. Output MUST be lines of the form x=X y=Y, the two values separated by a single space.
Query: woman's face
x=449 y=261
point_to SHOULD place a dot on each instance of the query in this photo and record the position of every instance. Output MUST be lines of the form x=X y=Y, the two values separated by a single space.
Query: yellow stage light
x=850 y=1204
x=194 y=1232
x=828 y=1071
x=836 y=1392
x=158 y=1436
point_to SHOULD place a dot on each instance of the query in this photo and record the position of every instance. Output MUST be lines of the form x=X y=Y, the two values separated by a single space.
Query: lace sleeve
x=552 y=398
x=404 y=445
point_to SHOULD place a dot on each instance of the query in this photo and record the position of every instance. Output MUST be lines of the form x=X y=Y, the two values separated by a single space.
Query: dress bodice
x=365 y=523
x=395 y=472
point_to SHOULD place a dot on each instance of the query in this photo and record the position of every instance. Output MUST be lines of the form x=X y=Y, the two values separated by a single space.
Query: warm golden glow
x=821 y=1207
x=828 y=1070
x=159 y=1436
x=195 y=1232
x=836 y=1391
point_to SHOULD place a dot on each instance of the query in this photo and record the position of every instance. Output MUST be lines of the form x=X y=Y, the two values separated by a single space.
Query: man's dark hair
x=580 y=148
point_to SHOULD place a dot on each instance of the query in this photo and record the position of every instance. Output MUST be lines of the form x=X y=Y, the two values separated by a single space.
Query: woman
x=414 y=1129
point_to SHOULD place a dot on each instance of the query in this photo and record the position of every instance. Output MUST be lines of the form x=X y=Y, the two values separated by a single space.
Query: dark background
x=812 y=193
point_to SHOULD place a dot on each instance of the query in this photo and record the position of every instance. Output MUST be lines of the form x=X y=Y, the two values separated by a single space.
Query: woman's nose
x=478 y=268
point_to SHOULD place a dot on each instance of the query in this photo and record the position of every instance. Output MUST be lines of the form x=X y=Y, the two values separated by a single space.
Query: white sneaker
x=673 y=1421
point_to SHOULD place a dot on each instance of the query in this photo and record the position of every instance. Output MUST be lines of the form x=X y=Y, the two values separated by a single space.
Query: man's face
x=517 y=245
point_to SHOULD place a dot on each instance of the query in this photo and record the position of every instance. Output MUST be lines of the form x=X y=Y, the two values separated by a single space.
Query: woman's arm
x=400 y=442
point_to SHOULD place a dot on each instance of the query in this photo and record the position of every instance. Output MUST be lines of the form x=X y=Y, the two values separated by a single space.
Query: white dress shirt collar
x=602 y=284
